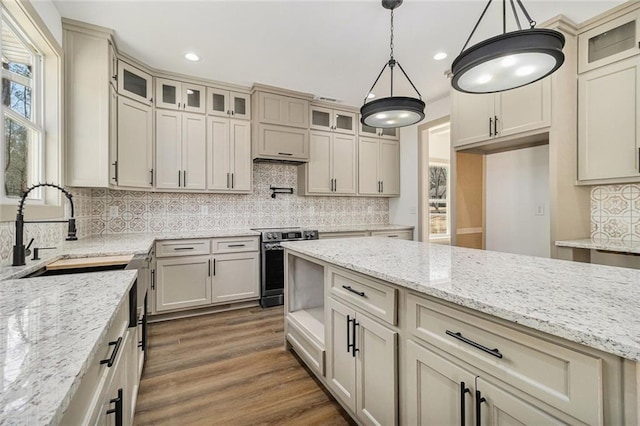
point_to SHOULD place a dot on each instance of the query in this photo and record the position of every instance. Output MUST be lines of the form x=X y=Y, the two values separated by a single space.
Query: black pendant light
x=509 y=60
x=393 y=111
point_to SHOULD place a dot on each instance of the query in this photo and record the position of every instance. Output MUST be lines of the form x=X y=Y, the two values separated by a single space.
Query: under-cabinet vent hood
x=280 y=161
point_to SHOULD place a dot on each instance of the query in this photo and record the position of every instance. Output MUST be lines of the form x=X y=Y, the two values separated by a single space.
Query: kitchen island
x=541 y=340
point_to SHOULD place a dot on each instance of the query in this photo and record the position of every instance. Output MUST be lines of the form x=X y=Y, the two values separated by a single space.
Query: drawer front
x=327 y=235
x=235 y=244
x=312 y=354
x=173 y=248
x=563 y=378
x=371 y=296
x=400 y=235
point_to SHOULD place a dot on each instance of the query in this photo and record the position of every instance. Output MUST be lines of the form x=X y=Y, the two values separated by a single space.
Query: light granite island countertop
x=51 y=328
x=593 y=305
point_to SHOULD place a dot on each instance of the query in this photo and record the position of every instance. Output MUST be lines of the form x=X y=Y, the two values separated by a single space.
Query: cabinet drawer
x=371 y=296
x=561 y=377
x=400 y=235
x=182 y=248
x=235 y=244
x=326 y=235
x=306 y=348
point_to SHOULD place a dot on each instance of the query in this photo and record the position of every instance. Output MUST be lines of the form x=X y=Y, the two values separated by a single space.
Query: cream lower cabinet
x=236 y=277
x=332 y=165
x=183 y=282
x=229 y=152
x=362 y=364
x=608 y=123
x=135 y=144
x=378 y=167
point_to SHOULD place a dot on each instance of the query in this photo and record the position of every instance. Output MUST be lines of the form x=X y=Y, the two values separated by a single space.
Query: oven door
x=272 y=269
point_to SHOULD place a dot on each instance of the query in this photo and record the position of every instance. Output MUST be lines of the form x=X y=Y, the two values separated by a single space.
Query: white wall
x=517 y=182
x=404 y=210
x=51 y=17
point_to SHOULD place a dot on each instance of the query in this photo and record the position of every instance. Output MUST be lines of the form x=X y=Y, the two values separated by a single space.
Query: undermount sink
x=82 y=265
x=44 y=272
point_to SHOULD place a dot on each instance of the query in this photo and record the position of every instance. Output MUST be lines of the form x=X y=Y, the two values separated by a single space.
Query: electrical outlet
x=204 y=210
x=113 y=211
x=540 y=210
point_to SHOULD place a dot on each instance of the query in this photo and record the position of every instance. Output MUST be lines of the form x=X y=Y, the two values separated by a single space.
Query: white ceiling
x=329 y=48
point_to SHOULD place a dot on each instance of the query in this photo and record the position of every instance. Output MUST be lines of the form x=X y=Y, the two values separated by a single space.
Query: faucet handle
x=27 y=250
x=36 y=251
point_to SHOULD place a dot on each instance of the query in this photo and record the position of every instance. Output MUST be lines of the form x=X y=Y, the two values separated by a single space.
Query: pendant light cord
x=391 y=40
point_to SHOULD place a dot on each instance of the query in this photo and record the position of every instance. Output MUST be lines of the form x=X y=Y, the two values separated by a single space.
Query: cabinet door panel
x=183 y=283
x=135 y=139
x=194 y=152
x=236 y=277
x=368 y=152
x=241 y=166
x=525 y=108
x=470 y=117
x=321 y=118
x=609 y=126
x=193 y=98
x=218 y=102
x=168 y=148
x=134 y=83
x=283 y=142
x=344 y=122
x=297 y=112
x=504 y=408
x=377 y=371
x=319 y=166
x=240 y=105
x=341 y=366
x=344 y=163
x=168 y=93
x=219 y=153
x=433 y=391
x=390 y=167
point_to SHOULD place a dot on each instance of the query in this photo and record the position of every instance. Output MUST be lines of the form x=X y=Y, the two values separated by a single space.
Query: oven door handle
x=269 y=247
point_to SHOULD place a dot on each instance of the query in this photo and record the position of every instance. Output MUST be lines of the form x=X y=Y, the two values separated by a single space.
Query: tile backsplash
x=106 y=211
x=615 y=213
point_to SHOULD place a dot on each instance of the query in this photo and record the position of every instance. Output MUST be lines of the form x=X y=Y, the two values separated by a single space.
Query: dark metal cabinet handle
x=115 y=171
x=463 y=391
x=214 y=267
x=184 y=178
x=335 y=185
x=232 y=184
x=382 y=186
x=354 y=324
x=183 y=248
x=459 y=336
x=178 y=105
x=179 y=185
x=112 y=358
x=151 y=171
x=479 y=400
x=228 y=179
x=233 y=113
x=349 y=288
x=118 y=409
x=236 y=245
x=349 y=344
x=284 y=153
x=490 y=126
x=209 y=267
x=495 y=125
x=638 y=160
x=153 y=279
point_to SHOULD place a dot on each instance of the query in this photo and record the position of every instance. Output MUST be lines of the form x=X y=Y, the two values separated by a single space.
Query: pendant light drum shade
x=394 y=111
x=508 y=61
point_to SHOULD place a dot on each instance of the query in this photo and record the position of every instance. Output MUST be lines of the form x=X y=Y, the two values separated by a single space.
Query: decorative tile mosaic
x=615 y=213
x=105 y=211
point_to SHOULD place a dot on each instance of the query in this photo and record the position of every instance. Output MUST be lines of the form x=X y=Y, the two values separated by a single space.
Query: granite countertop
x=51 y=328
x=590 y=304
x=361 y=228
x=596 y=244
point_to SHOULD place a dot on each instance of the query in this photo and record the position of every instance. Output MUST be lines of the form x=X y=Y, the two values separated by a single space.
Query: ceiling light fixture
x=509 y=60
x=393 y=111
x=439 y=56
x=192 y=56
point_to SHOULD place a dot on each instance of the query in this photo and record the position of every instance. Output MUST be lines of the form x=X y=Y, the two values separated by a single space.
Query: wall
x=615 y=213
x=50 y=16
x=404 y=209
x=517 y=182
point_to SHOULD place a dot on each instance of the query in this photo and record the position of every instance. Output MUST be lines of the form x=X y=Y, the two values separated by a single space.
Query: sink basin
x=44 y=272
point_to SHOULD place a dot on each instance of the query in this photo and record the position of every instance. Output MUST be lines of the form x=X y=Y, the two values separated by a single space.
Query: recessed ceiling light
x=192 y=56
x=371 y=95
x=439 y=56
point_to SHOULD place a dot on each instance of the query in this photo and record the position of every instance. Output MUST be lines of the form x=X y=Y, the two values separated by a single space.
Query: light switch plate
x=540 y=210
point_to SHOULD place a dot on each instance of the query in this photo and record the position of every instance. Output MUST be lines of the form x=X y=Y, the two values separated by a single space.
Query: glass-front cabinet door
x=134 y=83
x=168 y=93
x=193 y=98
x=321 y=118
x=610 y=42
x=390 y=133
x=225 y=103
x=333 y=120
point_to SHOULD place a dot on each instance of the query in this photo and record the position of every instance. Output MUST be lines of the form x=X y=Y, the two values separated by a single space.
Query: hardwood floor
x=229 y=368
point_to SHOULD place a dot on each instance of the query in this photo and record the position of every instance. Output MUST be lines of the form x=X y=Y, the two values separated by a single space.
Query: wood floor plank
x=229 y=368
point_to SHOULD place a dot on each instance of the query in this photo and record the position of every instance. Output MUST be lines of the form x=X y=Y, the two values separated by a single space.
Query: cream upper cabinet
x=333 y=120
x=113 y=66
x=609 y=42
x=281 y=143
x=483 y=117
x=229 y=151
x=235 y=277
x=226 y=103
x=179 y=95
x=608 y=123
x=180 y=150
x=135 y=144
x=387 y=133
x=332 y=164
x=283 y=110
x=183 y=282
x=134 y=83
x=378 y=167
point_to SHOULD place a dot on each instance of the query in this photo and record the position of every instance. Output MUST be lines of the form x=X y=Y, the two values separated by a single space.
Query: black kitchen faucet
x=19 y=249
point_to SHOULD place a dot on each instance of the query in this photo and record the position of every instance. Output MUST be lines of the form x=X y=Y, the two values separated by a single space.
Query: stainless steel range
x=272 y=262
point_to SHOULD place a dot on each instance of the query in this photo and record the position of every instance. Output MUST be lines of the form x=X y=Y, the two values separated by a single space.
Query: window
x=438 y=200
x=22 y=117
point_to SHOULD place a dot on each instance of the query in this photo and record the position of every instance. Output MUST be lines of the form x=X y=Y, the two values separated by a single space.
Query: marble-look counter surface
x=361 y=228
x=51 y=328
x=590 y=304
x=595 y=244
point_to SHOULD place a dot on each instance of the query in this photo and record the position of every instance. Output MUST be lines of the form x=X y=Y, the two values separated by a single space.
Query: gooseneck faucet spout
x=19 y=254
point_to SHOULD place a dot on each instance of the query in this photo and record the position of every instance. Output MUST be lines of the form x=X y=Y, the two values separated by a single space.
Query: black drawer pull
x=112 y=358
x=359 y=293
x=284 y=153
x=118 y=410
x=183 y=248
x=236 y=245
x=459 y=336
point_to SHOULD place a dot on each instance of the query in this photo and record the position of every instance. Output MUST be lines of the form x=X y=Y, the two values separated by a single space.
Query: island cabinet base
x=391 y=355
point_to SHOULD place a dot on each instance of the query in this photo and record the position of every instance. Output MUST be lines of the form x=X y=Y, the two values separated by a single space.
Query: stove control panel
x=310 y=235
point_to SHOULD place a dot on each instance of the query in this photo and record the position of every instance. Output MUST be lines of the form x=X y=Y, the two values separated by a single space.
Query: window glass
x=438 y=200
